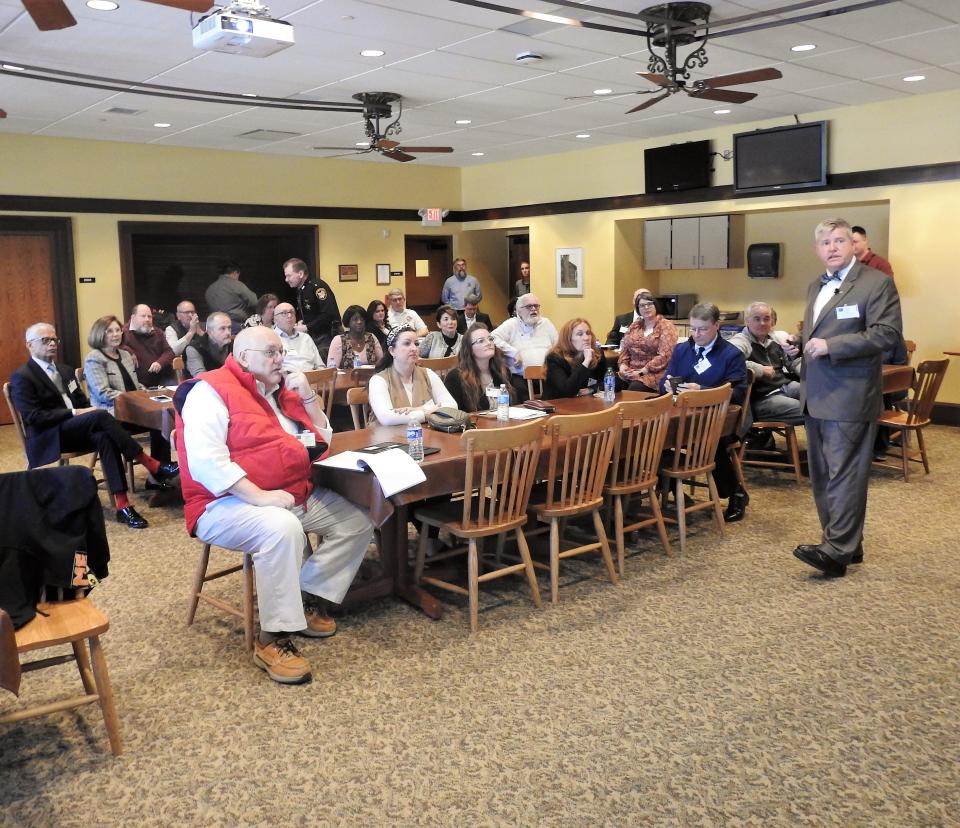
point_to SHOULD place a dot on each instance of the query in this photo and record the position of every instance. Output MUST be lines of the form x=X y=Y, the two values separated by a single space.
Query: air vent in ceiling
x=123 y=110
x=268 y=135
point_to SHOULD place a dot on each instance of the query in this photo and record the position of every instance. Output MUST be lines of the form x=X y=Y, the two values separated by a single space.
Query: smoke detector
x=528 y=57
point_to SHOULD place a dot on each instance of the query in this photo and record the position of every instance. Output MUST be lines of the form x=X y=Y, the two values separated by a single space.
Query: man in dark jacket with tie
x=57 y=418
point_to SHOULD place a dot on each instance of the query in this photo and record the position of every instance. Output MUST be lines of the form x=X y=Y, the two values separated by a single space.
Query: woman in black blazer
x=575 y=366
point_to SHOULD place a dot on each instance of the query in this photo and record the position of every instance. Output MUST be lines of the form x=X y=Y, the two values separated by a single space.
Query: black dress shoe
x=736 y=507
x=166 y=472
x=857 y=557
x=158 y=487
x=818 y=559
x=132 y=518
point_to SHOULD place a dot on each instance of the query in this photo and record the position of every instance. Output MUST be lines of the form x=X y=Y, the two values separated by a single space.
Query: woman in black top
x=377 y=322
x=479 y=367
x=575 y=366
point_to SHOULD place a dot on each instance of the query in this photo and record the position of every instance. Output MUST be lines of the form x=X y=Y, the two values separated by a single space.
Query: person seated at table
x=622 y=323
x=575 y=366
x=209 y=352
x=479 y=368
x=446 y=341
x=647 y=345
x=245 y=430
x=471 y=314
x=263 y=312
x=399 y=314
x=300 y=351
x=109 y=371
x=707 y=360
x=357 y=346
x=183 y=327
x=147 y=343
x=524 y=340
x=377 y=322
x=401 y=390
x=58 y=417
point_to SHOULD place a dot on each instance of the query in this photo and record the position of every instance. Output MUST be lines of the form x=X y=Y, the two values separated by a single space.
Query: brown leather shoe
x=282 y=661
x=319 y=624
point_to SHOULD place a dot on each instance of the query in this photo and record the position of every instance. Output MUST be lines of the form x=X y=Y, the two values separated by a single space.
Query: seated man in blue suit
x=707 y=360
x=58 y=417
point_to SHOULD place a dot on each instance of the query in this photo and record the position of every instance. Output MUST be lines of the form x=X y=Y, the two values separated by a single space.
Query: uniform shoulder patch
x=322 y=294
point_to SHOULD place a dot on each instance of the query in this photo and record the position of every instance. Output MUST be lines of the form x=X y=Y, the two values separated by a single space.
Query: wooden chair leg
x=681 y=515
x=554 y=560
x=528 y=567
x=793 y=446
x=717 y=511
x=83 y=667
x=198 y=576
x=248 y=601
x=105 y=692
x=605 y=547
x=618 y=529
x=422 y=544
x=923 y=451
x=661 y=525
x=905 y=454
x=473 y=585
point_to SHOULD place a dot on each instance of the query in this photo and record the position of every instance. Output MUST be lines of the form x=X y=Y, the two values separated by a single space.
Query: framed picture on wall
x=569 y=271
x=383 y=274
x=349 y=273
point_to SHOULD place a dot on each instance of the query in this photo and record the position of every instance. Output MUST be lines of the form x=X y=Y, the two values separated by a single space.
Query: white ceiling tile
x=940 y=46
x=876 y=23
x=948 y=9
x=938 y=80
x=869 y=62
x=855 y=92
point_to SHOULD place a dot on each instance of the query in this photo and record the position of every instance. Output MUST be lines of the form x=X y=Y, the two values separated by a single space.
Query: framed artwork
x=383 y=274
x=569 y=271
x=349 y=273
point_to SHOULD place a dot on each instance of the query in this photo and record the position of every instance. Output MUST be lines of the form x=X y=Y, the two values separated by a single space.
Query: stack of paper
x=395 y=470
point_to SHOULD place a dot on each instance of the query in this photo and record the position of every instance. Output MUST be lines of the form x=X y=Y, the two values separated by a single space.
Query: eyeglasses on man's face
x=530 y=307
x=46 y=340
x=283 y=313
x=269 y=353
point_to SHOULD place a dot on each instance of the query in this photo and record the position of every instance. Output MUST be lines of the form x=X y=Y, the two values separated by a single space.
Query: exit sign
x=432 y=217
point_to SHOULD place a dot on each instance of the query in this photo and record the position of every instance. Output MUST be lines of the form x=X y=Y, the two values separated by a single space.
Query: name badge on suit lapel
x=624 y=328
x=702 y=365
x=848 y=312
x=72 y=386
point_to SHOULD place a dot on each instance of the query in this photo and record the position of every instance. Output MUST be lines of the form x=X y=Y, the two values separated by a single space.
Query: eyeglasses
x=269 y=353
x=483 y=340
x=284 y=313
x=46 y=340
x=529 y=307
x=645 y=305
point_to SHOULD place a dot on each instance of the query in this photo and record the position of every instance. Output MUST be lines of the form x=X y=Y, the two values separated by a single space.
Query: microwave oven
x=676 y=305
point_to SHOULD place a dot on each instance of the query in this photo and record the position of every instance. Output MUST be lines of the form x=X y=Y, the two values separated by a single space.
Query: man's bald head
x=259 y=351
x=141 y=319
x=285 y=317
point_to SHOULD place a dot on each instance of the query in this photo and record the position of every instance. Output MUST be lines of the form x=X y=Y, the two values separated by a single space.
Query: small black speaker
x=763 y=261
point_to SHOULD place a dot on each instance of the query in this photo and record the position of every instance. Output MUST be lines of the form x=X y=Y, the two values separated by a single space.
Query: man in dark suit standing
x=852 y=316
x=57 y=417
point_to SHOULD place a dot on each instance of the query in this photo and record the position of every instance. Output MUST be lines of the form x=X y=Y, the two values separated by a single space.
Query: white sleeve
x=205 y=421
x=194 y=361
x=441 y=396
x=500 y=336
x=381 y=405
x=176 y=345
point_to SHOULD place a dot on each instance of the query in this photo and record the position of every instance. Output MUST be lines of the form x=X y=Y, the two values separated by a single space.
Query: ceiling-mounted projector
x=243 y=29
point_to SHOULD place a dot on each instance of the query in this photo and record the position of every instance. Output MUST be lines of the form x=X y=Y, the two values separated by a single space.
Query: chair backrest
x=179 y=369
x=699 y=425
x=535 y=375
x=501 y=465
x=17 y=419
x=911 y=348
x=639 y=444
x=359 y=401
x=926 y=386
x=439 y=365
x=580 y=449
x=324 y=382
x=745 y=416
x=81 y=380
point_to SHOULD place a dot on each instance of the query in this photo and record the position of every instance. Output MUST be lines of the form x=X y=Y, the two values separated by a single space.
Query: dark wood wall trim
x=922 y=174
x=60 y=232
x=946 y=414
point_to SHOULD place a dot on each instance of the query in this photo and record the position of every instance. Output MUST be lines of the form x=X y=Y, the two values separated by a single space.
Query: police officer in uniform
x=316 y=304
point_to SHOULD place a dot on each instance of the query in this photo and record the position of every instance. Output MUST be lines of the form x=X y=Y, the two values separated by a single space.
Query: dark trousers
x=724 y=474
x=159 y=447
x=839 y=455
x=99 y=430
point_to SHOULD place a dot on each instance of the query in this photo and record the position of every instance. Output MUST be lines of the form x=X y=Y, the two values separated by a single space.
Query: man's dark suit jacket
x=42 y=410
x=623 y=321
x=481 y=317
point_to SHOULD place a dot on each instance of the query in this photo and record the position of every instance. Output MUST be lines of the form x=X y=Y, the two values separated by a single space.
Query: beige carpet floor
x=728 y=687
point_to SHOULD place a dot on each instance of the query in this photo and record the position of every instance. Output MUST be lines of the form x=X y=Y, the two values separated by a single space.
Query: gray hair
x=212 y=318
x=705 y=311
x=829 y=225
x=472 y=299
x=396 y=292
x=754 y=305
x=33 y=330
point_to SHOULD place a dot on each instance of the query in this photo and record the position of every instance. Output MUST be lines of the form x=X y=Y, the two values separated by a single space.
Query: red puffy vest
x=272 y=458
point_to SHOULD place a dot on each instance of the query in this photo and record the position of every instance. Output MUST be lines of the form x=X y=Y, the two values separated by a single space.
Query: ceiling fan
x=376 y=108
x=54 y=14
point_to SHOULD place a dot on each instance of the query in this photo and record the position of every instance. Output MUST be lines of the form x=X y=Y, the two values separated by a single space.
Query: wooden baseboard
x=946 y=414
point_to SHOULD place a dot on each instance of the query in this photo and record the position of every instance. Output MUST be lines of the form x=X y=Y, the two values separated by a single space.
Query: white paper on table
x=395 y=470
x=518 y=412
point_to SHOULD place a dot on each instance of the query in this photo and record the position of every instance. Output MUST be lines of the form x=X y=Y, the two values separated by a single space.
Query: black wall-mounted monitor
x=782 y=158
x=676 y=167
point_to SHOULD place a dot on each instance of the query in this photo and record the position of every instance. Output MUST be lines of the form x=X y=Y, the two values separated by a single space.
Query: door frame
x=59 y=232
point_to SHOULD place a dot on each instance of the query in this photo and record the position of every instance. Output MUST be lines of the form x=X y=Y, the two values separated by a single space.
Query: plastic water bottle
x=415 y=440
x=609 y=387
x=356 y=360
x=503 y=405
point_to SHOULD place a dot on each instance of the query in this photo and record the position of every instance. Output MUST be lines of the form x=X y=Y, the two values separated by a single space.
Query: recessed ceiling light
x=602 y=91
x=914 y=78
x=362 y=144
x=372 y=53
x=463 y=122
x=583 y=135
x=249 y=94
x=803 y=47
x=102 y=5
x=476 y=153
x=11 y=68
x=721 y=112
x=161 y=125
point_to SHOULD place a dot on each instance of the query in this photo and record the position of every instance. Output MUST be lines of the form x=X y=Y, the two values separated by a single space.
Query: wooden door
x=423 y=292
x=26 y=296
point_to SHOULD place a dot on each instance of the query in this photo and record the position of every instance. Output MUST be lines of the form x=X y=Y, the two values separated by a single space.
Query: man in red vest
x=248 y=432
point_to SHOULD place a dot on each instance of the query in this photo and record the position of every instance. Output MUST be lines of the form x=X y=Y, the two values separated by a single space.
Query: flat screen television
x=676 y=167
x=782 y=158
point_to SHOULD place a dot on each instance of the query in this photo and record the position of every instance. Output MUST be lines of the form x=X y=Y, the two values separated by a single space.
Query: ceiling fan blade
x=345 y=149
x=386 y=144
x=397 y=155
x=659 y=80
x=187 y=5
x=425 y=149
x=743 y=77
x=651 y=102
x=3 y=113
x=724 y=95
x=49 y=14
